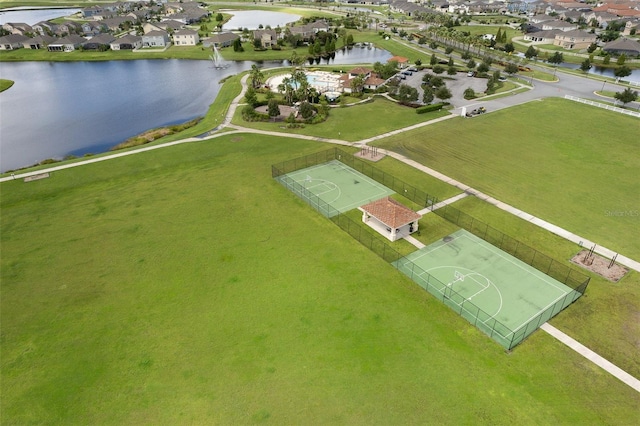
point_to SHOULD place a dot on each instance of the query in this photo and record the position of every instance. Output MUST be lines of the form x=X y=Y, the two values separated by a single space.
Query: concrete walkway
x=443 y=203
x=593 y=357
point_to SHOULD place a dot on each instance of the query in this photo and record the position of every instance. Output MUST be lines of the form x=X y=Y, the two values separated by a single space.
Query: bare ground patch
x=600 y=265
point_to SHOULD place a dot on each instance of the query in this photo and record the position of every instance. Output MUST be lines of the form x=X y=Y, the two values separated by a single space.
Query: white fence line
x=605 y=106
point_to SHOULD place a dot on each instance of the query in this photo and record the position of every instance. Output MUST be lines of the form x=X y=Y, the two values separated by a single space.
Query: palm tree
x=257 y=78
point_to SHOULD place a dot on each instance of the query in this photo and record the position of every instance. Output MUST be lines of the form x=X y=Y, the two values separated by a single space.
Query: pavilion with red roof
x=390 y=218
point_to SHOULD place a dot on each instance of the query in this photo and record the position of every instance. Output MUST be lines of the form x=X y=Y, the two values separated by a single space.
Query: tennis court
x=335 y=184
x=501 y=295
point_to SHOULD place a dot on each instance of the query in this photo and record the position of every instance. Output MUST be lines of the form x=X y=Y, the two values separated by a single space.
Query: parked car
x=471 y=74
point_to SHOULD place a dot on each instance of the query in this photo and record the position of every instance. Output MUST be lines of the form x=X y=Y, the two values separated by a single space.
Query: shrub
x=429 y=108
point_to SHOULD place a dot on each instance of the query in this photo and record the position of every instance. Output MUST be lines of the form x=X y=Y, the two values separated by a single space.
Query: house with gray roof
x=99 y=42
x=66 y=44
x=12 y=41
x=186 y=37
x=17 y=28
x=220 y=39
x=574 y=39
x=267 y=37
x=626 y=46
x=156 y=39
x=44 y=28
x=128 y=42
x=38 y=42
x=559 y=25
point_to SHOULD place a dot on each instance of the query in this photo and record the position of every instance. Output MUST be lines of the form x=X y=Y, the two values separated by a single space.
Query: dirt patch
x=285 y=111
x=600 y=265
x=371 y=154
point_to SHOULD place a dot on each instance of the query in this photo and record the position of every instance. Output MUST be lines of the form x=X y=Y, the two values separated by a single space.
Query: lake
x=60 y=108
x=33 y=15
x=252 y=19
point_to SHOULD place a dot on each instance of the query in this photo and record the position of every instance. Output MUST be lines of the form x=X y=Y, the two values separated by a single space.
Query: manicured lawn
x=547 y=158
x=184 y=285
x=352 y=123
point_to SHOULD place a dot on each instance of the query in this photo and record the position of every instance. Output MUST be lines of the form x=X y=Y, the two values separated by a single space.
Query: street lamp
x=603 y=83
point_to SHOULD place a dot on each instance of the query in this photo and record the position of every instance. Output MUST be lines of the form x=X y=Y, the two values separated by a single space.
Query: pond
x=59 y=108
x=252 y=19
x=33 y=15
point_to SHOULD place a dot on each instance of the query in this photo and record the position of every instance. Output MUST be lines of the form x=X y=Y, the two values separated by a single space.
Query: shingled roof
x=390 y=212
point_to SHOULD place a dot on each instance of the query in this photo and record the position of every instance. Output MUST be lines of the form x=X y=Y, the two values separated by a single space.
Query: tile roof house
x=402 y=61
x=390 y=218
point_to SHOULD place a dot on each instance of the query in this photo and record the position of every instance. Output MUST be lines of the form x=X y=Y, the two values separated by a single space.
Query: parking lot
x=457 y=84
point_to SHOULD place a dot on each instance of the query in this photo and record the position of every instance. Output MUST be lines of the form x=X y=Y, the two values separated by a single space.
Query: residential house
x=66 y=44
x=44 y=28
x=559 y=25
x=186 y=38
x=12 y=41
x=401 y=60
x=38 y=42
x=68 y=27
x=631 y=26
x=141 y=15
x=116 y=23
x=267 y=38
x=307 y=32
x=91 y=28
x=539 y=19
x=220 y=40
x=168 y=25
x=99 y=42
x=373 y=82
x=90 y=12
x=128 y=42
x=626 y=46
x=17 y=28
x=156 y=39
x=542 y=37
x=575 y=39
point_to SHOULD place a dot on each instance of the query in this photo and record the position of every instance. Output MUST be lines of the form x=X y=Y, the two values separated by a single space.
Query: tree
x=622 y=71
x=407 y=94
x=357 y=84
x=556 y=58
x=443 y=93
x=585 y=66
x=250 y=96
x=483 y=68
x=498 y=36
x=273 y=109
x=349 y=40
x=511 y=68
x=471 y=64
x=448 y=50
x=626 y=96
x=433 y=60
x=257 y=78
x=450 y=63
x=219 y=18
x=607 y=59
x=509 y=48
x=438 y=69
x=621 y=59
x=427 y=97
x=592 y=48
x=469 y=93
x=306 y=110
x=237 y=45
x=452 y=70
x=531 y=52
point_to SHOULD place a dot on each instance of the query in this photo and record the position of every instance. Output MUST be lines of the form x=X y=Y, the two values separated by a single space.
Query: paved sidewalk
x=443 y=203
x=593 y=357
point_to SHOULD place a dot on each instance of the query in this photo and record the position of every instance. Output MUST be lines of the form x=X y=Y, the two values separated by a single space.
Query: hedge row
x=429 y=108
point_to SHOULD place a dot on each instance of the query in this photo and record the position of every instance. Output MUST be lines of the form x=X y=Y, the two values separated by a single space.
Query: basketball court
x=497 y=292
x=335 y=184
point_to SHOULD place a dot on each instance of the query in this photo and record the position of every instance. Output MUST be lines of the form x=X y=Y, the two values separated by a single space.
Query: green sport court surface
x=500 y=294
x=337 y=185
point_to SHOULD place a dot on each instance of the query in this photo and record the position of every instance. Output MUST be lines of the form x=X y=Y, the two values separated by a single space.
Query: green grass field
x=564 y=170
x=184 y=285
x=352 y=123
